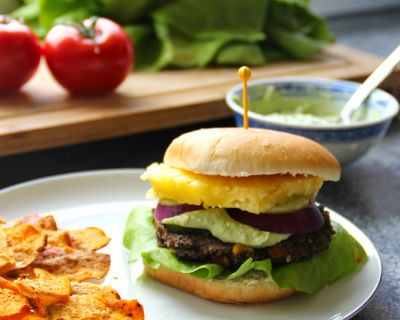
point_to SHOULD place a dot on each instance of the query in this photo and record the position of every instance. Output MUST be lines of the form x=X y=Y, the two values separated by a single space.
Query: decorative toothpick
x=244 y=74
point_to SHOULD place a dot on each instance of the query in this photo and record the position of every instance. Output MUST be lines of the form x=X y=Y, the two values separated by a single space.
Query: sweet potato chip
x=7 y=284
x=48 y=226
x=87 y=288
x=39 y=261
x=7 y=261
x=40 y=305
x=80 y=307
x=119 y=309
x=116 y=315
x=47 y=288
x=12 y=304
x=33 y=317
x=41 y=223
x=44 y=290
x=90 y=238
x=77 y=265
x=21 y=273
x=59 y=238
x=127 y=309
x=26 y=241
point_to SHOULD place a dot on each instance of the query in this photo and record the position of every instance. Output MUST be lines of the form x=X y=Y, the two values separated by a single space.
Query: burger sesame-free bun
x=228 y=291
x=239 y=152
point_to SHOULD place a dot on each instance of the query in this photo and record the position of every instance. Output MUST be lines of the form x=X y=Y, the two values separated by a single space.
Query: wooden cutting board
x=43 y=115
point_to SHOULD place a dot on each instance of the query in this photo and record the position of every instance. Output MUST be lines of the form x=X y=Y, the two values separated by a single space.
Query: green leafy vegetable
x=207 y=19
x=249 y=265
x=140 y=233
x=149 y=55
x=163 y=257
x=192 y=33
x=247 y=53
x=29 y=13
x=128 y=11
x=6 y=6
x=62 y=11
x=293 y=28
x=180 y=51
x=344 y=256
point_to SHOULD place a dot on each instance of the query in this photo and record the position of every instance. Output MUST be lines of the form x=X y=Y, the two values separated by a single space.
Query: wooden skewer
x=244 y=74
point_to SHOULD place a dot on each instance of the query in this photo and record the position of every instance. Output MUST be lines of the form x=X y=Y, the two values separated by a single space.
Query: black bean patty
x=201 y=246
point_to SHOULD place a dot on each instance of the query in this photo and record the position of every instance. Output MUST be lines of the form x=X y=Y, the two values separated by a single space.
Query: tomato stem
x=87 y=32
x=5 y=19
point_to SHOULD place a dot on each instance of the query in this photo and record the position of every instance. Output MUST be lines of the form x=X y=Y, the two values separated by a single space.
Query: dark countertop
x=367 y=193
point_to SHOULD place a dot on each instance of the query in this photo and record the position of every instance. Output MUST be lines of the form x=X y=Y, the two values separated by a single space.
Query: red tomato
x=88 y=58
x=20 y=53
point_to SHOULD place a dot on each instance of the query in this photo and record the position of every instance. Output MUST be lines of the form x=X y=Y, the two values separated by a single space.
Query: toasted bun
x=239 y=152
x=227 y=291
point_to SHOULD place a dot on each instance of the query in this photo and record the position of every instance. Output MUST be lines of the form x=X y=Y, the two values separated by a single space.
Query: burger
x=236 y=219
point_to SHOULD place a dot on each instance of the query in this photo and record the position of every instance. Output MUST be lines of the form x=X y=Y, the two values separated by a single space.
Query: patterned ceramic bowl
x=347 y=142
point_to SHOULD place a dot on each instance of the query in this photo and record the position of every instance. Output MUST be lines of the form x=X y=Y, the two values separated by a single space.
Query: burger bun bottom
x=227 y=291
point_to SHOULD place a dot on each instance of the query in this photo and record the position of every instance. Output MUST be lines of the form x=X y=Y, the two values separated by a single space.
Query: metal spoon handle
x=363 y=91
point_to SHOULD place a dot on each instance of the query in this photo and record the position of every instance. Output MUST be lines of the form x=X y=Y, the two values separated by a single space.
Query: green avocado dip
x=314 y=107
x=226 y=229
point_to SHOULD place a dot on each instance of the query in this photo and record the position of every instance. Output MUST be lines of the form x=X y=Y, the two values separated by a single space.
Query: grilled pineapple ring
x=256 y=194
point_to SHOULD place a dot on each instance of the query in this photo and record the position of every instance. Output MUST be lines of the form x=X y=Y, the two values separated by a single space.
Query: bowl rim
x=394 y=104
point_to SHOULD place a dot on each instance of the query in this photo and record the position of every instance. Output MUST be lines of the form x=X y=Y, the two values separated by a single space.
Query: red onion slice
x=164 y=211
x=297 y=222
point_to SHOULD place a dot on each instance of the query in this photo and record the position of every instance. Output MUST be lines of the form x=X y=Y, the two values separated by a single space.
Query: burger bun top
x=239 y=152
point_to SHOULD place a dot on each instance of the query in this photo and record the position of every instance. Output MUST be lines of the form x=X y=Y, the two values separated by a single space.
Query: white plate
x=104 y=199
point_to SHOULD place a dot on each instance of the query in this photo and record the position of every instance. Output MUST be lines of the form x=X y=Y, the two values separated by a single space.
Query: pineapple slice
x=256 y=194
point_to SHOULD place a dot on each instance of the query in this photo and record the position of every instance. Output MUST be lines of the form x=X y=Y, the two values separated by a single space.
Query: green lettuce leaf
x=192 y=33
x=128 y=11
x=180 y=51
x=140 y=233
x=292 y=27
x=29 y=13
x=250 y=54
x=7 y=6
x=195 y=39
x=149 y=55
x=249 y=265
x=62 y=11
x=344 y=256
x=208 y=19
x=164 y=257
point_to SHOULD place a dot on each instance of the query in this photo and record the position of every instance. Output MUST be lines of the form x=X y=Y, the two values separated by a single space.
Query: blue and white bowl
x=347 y=142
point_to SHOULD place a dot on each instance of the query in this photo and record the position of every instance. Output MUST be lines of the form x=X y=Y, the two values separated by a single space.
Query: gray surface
x=369 y=191
x=368 y=194
x=377 y=33
x=329 y=8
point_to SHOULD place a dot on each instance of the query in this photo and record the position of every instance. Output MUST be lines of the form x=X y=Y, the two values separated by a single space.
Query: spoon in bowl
x=364 y=90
